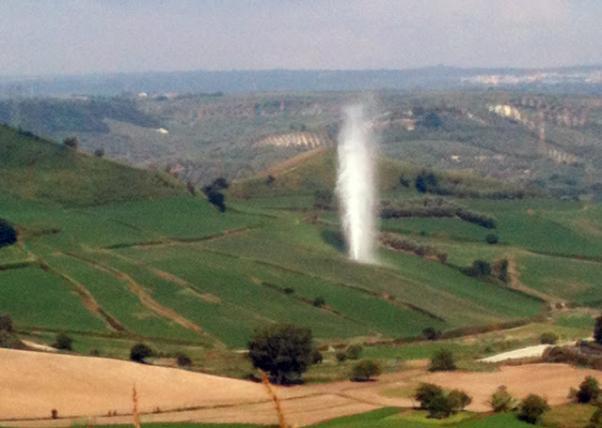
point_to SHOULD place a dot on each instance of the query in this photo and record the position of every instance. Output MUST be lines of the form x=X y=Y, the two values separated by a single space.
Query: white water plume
x=356 y=184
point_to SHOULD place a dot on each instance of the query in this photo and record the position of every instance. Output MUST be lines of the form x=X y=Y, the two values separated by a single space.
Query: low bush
x=492 y=238
x=340 y=356
x=532 y=408
x=430 y=333
x=353 y=352
x=364 y=371
x=442 y=360
x=501 y=400
x=183 y=360
x=319 y=302
x=548 y=338
x=63 y=342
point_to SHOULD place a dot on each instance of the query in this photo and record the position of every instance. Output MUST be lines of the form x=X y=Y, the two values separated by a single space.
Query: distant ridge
x=237 y=81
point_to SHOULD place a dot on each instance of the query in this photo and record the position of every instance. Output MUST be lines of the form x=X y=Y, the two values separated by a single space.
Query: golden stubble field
x=88 y=388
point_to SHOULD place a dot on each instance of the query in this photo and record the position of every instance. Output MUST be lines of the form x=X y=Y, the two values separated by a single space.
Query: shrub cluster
x=440 y=404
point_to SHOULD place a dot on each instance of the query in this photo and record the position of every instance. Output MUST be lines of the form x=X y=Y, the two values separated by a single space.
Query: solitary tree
x=285 y=352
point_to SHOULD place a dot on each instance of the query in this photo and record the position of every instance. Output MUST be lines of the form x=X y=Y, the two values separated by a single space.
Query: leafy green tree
x=426 y=392
x=364 y=371
x=284 y=351
x=532 y=408
x=442 y=360
x=140 y=352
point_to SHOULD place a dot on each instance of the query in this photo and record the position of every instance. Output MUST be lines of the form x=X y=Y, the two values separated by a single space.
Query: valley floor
x=86 y=389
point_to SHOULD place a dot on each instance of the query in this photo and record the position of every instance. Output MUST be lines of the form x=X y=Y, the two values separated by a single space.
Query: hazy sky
x=81 y=36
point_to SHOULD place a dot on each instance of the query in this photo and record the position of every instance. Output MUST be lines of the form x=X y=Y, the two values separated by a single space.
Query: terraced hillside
x=146 y=261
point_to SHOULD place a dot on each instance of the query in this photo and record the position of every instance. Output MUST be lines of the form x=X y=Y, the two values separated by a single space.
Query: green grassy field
x=168 y=268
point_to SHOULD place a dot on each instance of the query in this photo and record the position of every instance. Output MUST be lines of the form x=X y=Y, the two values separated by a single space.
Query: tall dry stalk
x=274 y=397
x=135 y=414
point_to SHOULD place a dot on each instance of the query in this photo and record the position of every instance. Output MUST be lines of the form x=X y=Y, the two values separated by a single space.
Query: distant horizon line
x=298 y=70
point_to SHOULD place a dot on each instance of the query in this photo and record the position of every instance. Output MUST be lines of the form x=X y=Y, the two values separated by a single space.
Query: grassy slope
x=261 y=262
x=32 y=168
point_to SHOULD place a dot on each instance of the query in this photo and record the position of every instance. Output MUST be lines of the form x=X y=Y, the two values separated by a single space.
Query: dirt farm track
x=88 y=388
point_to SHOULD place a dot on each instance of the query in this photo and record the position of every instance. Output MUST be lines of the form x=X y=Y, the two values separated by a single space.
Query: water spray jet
x=356 y=185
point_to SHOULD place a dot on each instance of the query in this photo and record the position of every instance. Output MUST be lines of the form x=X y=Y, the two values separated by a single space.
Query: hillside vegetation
x=35 y=169
x=114 y=255
x=547 y=141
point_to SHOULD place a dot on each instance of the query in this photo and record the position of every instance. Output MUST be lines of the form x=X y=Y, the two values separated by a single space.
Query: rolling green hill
x=114 y=255
x=35 y=169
